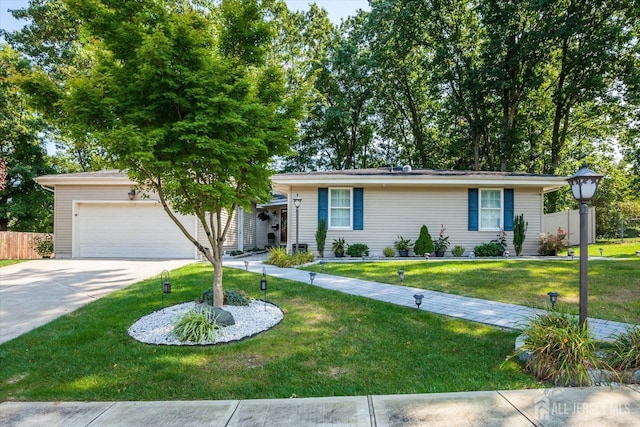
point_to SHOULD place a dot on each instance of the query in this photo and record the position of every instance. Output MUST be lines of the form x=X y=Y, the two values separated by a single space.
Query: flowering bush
x=501 y=240
x=550 y=244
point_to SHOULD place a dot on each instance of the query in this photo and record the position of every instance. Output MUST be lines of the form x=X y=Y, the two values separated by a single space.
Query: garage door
x=129 y=230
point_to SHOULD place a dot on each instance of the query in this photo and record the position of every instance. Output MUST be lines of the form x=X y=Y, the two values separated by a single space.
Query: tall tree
x=182 y=98
x=24 y=206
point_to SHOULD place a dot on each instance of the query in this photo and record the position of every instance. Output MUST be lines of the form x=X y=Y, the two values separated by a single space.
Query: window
x=340 y=208
x=490 y=209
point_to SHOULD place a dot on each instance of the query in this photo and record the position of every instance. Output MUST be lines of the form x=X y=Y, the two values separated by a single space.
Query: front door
x=283 y=226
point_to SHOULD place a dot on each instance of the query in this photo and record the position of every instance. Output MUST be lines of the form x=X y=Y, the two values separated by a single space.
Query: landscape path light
x=584 y=185
x=165 y=284
x=263 y=286
x=246 y=265
x=418 y=298
x=401 y=276
x=553 y=297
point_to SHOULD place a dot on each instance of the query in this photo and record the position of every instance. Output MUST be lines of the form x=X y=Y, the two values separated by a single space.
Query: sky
x=337 y=9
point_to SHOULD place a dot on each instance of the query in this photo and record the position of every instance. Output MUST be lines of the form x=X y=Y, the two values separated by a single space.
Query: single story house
x=99 y=215
x=375 y=206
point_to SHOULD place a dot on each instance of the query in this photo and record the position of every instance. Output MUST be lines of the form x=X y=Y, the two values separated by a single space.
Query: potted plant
x=441 y=244
x=338 y=247
x=403 y=246
x=501 y=241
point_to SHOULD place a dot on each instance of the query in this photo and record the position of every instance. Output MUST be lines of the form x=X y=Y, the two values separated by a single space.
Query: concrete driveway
x=34 y=293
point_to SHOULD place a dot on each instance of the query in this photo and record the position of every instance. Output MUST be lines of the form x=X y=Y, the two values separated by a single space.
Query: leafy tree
x=24 y=205
x=182 y=98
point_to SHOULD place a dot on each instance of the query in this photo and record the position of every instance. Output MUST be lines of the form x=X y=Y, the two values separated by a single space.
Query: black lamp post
x=401 y=276
x=418 y=298
x=312 y=276
x=553 y=297
x=584 y=185
x=296 y=202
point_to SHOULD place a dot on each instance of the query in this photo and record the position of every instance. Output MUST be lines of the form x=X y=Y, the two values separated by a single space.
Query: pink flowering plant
x=441 y=244
x=551 y=244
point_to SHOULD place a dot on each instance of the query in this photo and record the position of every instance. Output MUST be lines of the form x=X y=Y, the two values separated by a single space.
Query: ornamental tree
x=182 y=97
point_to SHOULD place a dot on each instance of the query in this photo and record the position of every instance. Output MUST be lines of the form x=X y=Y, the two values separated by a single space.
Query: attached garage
x=128 y=230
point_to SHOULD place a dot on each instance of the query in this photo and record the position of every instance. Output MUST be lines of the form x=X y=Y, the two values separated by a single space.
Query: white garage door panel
x=130 y=230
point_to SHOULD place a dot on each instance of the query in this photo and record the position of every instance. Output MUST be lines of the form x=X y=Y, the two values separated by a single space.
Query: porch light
x=312 y=276
x=553 y=297
x=401 y=276
x=418 y=298
x=132 y=194
x=584 y=185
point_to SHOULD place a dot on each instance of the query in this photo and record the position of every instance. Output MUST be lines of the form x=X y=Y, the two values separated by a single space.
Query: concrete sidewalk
x=580 y=407
x=502 y=315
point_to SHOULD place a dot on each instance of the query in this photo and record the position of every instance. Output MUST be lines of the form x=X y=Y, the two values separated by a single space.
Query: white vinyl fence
x=569 y=221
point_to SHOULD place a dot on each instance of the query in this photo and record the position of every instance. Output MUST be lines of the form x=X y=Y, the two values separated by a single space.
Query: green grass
x=614 y=249
x=6 y=262
x=329 y=344
x=614 y=285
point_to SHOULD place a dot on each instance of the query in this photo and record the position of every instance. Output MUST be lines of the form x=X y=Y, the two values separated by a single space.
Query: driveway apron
x=34 y=293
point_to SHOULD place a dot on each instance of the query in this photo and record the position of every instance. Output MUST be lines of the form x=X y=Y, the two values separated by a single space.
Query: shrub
x=550 y=244
x=280 y=258
x=389 y=252
x=560 y=349
x=358 y=250
x=321 y=236
x=44 y=245
x=424 y=244
x=625 y=353
x=196 y=326
x=236 y=252
x=457 y=250
x=519 y=233
x=236 y=297
x=487 y=249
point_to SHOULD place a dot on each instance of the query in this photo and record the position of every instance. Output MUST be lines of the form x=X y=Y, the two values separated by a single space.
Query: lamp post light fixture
x=553 y=297
x=584 y=185
x=296 y=201
x=132 y=194
x=312 y=276
x=401 y=276
x=418 y=298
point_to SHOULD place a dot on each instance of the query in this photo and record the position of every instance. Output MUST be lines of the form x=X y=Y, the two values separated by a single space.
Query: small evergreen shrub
x=44 y=245
x=358 y=250
x=424 y=244
x=457 y=251
x=196 y=326
x=236 y=297
x=560 y=349
x=487 y=249
x=389 y=252
x=321 y=237
x=206 y=297
x=236 y=253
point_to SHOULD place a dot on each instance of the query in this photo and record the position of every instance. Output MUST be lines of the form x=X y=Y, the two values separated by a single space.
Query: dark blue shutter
x=323 y=205
x=473 y=209
x=358 y=209
x=508 y=209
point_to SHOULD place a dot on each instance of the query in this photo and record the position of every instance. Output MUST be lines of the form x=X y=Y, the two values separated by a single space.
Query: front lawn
x=329 y=344
x=6 y=262
x=614 y=285
x=614 y=248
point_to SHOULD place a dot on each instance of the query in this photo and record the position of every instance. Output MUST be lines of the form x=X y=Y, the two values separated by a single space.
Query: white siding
x=390 y=212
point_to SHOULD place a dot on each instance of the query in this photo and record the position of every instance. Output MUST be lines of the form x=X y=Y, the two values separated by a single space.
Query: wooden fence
x=18 y=245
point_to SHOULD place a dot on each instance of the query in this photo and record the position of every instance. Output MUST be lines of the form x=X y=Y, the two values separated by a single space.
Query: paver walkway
x=503 y=315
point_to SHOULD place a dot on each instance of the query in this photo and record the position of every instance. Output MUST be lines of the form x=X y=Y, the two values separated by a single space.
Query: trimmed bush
x=457 y=251
x=487 y=249
x=389 y=252
x=358 y=250
x=236 y=297
x=424 y=244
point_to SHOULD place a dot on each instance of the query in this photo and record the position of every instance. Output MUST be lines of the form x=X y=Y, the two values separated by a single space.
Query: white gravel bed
x=157 y=327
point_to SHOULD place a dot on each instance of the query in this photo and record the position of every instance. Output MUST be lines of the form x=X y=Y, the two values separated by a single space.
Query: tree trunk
x=218 y=293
